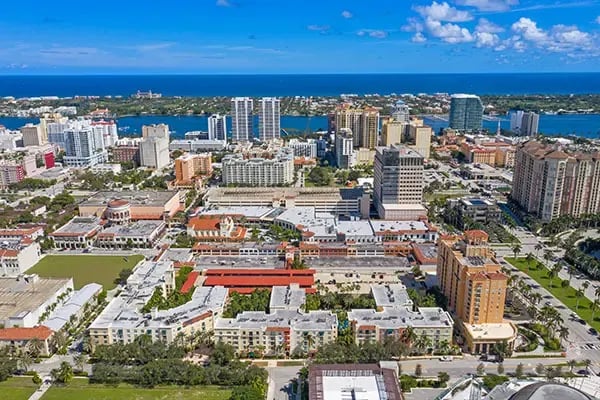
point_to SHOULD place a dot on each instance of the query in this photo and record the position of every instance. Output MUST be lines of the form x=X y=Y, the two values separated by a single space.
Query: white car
x=446 y=358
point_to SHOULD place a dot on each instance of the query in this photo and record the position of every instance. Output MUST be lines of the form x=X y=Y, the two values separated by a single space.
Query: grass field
x=84 y=269
x=17 y=388
x=79 y=389
x=567 y=295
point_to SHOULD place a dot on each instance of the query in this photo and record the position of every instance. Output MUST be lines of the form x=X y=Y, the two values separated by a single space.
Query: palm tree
x=529 y=259
x=35 y=347
x=516 y=249
x=571 y=270
x=409 y=336
x=578 y=295
x=537 y=248
x=86 y=345
x=63 y=374
x=547 y=256
x=571 y=364
x=25 y=361
x=80 y=360
x=563 y=334
x=595 y=306
x=309 y=340
x=552 y=274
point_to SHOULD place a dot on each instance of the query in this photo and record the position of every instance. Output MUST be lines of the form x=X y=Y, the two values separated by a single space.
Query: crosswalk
x=587 y=346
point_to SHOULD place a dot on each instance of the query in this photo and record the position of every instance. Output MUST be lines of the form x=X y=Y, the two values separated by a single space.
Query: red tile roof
x=189 y=282
x=259 y=272
x=204 y=224
x=258 y=281
x=39 y=332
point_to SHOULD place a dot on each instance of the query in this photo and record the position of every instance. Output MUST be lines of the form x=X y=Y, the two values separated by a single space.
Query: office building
x=472 y=210
x=32 y=135
x=217 y=127
x=124 y=206
x=466 y=112
x=84 y=147
x=549 y=181
x=269 y=127
x=107 y=130
x=398 y=183
x=259 y=171
x=303 y=149
x=241 y=119
x=352 y=381
x=393 y=132
x=400 y=112
x=155 y=131
x=154 y=152
x=129 y=153
x=475 y=287
x=344 y=148
x=363 y=122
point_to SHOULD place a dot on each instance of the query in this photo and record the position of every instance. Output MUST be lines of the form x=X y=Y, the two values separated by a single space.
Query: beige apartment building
x=363 y=122
x=471 y=279
x=549 y=181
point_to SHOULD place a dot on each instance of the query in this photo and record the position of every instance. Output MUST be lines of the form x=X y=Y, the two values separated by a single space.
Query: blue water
x=301 y=85
x=586 y=125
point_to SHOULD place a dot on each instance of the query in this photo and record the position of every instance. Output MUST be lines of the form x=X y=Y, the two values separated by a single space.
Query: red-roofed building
x=189 y=282
x=246 y=280
x=19 y=338
x=220 y=228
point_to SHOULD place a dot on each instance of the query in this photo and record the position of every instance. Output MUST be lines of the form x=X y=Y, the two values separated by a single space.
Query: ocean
x=585 y=125
x=298 y=85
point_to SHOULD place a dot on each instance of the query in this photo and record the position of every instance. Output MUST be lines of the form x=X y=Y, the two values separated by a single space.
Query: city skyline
x=244 y=36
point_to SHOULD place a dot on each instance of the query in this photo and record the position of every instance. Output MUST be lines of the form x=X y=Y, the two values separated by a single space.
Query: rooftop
x=287 y=297
x=394 y=318
x=391 y=296
x=312 y=321
x=134 y=229
x=18 y=296
x=135 y=198
x=498 y=331
x=79 y=226
x=38 y=332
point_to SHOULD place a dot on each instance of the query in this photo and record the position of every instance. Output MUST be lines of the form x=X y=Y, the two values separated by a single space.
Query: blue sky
x=288 y=36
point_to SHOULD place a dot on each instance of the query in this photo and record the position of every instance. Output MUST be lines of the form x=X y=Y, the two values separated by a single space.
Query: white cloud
x=598 y=19
x=487 y=26
x=223 y=3
x=374 y=33
x=347 y=14
x=413 y=25
x=443 y=12
x=489 y=5
x=318 y=28
x=449 y=33
x=418 y=38
x=529 y=30
x=486 y=39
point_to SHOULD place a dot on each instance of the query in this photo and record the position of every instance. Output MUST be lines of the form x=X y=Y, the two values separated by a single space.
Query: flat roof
x=135 y=198
x=18 y=297
x=78 y=226
x=134 y=229
x=394 y=295
x=311 y=321
x=273 y=193
x=394 y=318
x=500 y=331
x=251 y=212
x=290 y=298
x=398 y=226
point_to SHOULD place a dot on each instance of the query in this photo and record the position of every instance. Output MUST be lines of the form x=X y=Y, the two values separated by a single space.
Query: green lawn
x=79 y=389
x=85 y=269
x=17 y=388
x=567 y=296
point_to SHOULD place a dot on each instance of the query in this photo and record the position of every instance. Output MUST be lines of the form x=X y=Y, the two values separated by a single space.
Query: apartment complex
x=363 y=122
x=303 y=149
x=154 y=152
x=241 y=119
x=84 y=146
x=10 y=173
x=410 y=132
x=155 y=131
x=549 y=181
x=398 y=183
x=217 y=127
x=400 y=111
x=472 y=209
x=472 y=280
x=525 y=123
x=259 y=171
x=466 y=112
x=33 y=135
x=344 y=148
x=393 y=131
x=124 y=319
x=188 y=167
x=269 y=127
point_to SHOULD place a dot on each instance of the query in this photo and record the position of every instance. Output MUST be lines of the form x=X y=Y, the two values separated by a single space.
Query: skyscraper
x=269 y=119
x=217 y=127
x=398 y=183
x=84 y=147
x=160 y=131
x=400 y=111
x=392 y=132
x=363 y=122
x=529 y=124
x=154 y=152
x=369 y=128
x=466 y=112
x=241 y=119
x=344 y=148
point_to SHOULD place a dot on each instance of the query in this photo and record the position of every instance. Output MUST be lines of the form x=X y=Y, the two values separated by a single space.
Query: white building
x=269 y=127
x=259 y=171
x=217 y=127
x=241 y=119
x=17 y=256
x=74 y=307
x=197 y=145
x=84 y=146
x=155 y=131
x=303 y=149
x=344 y=149
x=107 y=130
x=400 y=111
x=154 y=152
x=10 y=141
x=106 y=168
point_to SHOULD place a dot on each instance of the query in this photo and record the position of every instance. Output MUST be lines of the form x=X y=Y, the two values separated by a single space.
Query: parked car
x=446 y=358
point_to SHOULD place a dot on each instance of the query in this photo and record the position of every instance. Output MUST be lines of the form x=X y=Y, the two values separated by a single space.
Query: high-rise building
x=32 y=135
x=108 y=131
x=393 y=132
x=259 y=171
x=516 y=119
x=84 y=147
x=217 y=127
x=529 y=124
x=189 y=166
x=420 y=135
x=155 y=131
x=550 y=182
x=400 y=111
x=269 y=127
x=154 y=152
x=466 y=112
x=363 y=122
x=475 y=287
x=303 y=149
x=10 y=173
x=344 y=148
x=398 y=183
x=241 y=119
